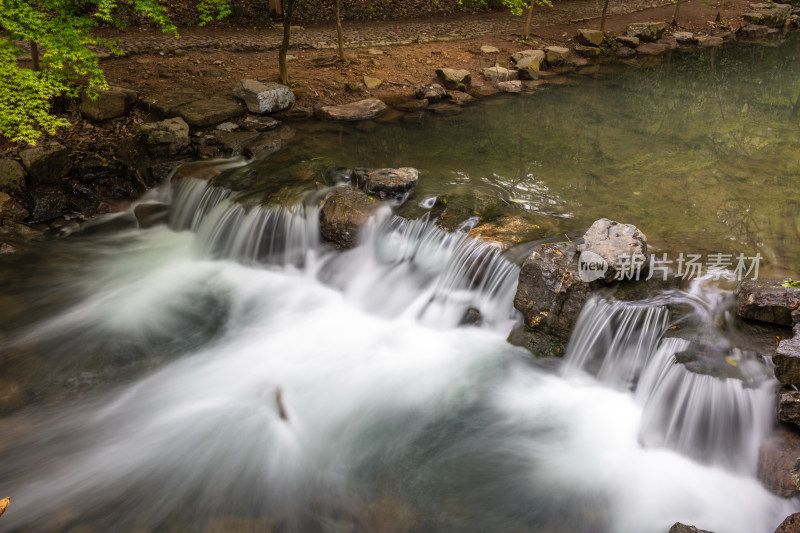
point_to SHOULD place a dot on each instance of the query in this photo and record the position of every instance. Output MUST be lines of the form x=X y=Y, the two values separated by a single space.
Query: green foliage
x=62 y=29
x=517 y=7
x=791 y=284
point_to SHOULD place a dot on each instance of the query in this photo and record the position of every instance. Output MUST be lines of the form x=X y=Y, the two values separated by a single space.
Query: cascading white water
x=339 y=393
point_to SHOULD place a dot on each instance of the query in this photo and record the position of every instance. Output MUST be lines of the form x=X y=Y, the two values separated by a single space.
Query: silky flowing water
x=231 y=372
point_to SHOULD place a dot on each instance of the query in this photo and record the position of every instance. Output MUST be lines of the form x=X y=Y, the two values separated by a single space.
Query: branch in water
x=279 y=401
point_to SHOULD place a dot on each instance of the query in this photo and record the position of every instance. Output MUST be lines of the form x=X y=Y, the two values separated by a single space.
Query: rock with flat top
x=556 y=54
x=767 y=300
x=454 y=79
x=709 y=41
x=529 y=65
x=361 y=110
x=587 y=51
x=209 y=111
x=648 y=32
x=343 y=214
x=499 y=74
x=590 y=37
x=488 y=49
x=518 y=56
x=627 y=40
x=261 y=97
x=651 y=49
x=167 y=137
x=512 y=86
x=754 y=31
x=101 y=104
x=46 y=164
x=684 y=37
x=386 y=183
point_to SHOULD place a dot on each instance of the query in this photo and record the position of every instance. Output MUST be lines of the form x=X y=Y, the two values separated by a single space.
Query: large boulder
x=768 y=14
x=12 y=176
x=621 y=247
x=167 y=137
x=754 y=31
x=343 y=214
x=556 y=54
x=209 y=111
x=789 y=406
x=11 y=210
x=361 y=110
x=550 y=293
x=263 y=97
x=590 y=37
x=787 y=361
x=648 y=32
x=779 y=463
x=104 y=104
x=454 y=79
x=766 y=300
x=519 y=56
x=387 y=183
x=46 y=164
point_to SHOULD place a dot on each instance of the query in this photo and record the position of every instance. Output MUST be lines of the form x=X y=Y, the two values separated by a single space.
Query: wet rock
x=472 y=317
x=499 y=74
x=651 y=49
x=150 y=214
x=46 y=204
x=619 y=245
x=296 y=112
x=646 y=31
x=168 y=137
x=454 y=79
x=753 y=31
x=46 y=164
x=12 y=396
x=766 y=300
x=372 y=83
x=550 y=293
x=210 y=111
x=590 y=37
x=539 y=343
x=677 y=527
x=513 y=86
x=508 y=232
x=263 y=97
x=624 y=51
x=235 y=141
x=787 y=361
x=779 y=462
x=100 y=170
x=238 y=524
x=386 y=183
x=110 y=223
x=343 y=214
x=405 y=103
x=361 y=110
x=530 y=64
x=432 y=92
x=100 y=104
x=627 y=40
x=166 y=103
x=80 y=190
x=790 y=525
x=202 y=170
x=709 y=41
x=789 y=406
x=684 y=37
x=556 y=54
x=227 y=127
x=260 y=123
x=487 y=49
x=669 y=41
x=12 y=176
x=458 y=97
x=587 y=51
x=263 y=145
x=11 y=210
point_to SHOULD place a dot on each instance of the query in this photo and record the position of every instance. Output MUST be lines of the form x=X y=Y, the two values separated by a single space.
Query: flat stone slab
x=210 y=111
x=361 y=110
x=167 y=102
x=386 y=183
x=651 y=49
x=766 y=300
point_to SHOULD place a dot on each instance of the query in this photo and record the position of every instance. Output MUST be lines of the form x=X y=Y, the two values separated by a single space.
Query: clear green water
x=699 y=150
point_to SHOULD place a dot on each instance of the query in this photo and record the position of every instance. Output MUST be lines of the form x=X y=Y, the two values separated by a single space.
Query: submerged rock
x=779 y=463
x=361 y=110
x=508 y=231
x=454 y=79
x=260 y=97
x=646 y=31
x=766 y=300
x=343 y=214
x=387 y=183
x=150 y=214
x=622 y=247
x=101 y=104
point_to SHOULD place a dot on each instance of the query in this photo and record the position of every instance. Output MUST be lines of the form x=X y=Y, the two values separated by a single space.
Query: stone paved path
x=365 y=34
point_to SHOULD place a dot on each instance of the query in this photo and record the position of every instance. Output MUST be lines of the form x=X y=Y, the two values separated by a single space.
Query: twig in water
x=281 y=408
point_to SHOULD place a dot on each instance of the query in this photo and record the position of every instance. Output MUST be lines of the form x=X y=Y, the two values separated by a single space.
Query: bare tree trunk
x=287 y=30
x=677 y=12
x=528 y=20
x=603 y=17
x=35 y=55
x=339 y=33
